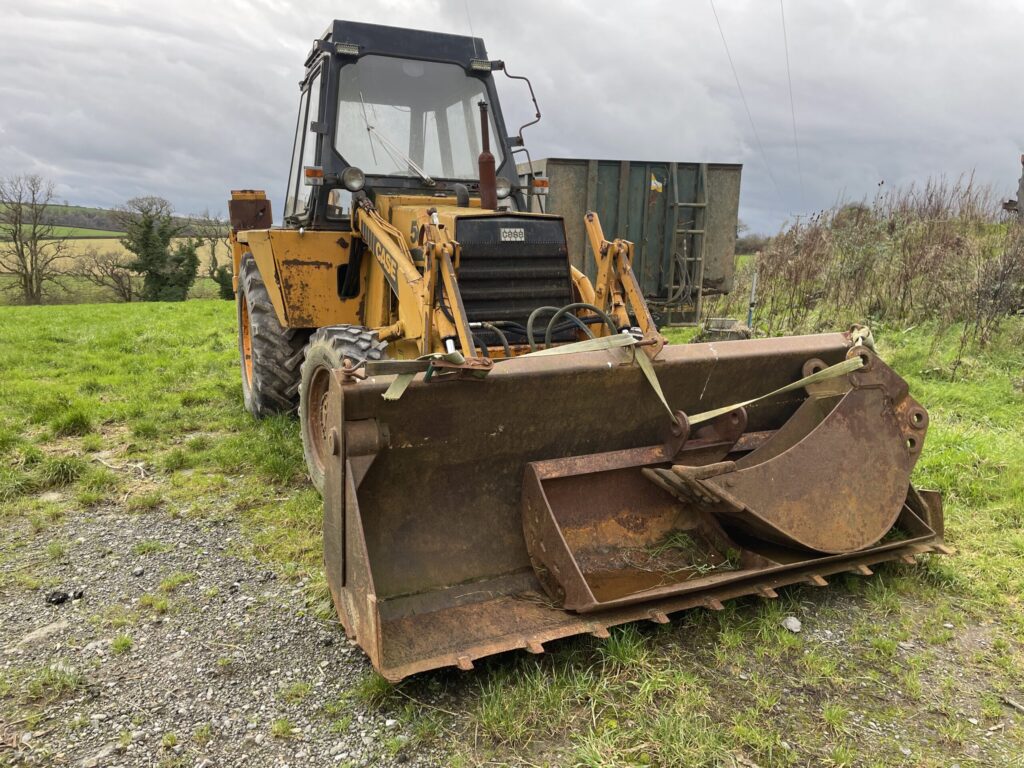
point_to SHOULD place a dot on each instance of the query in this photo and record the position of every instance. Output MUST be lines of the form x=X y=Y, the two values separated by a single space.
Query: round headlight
x=353 y=178
x=503 y=187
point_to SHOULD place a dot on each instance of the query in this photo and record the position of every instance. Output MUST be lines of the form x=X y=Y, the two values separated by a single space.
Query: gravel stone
x=41 y=634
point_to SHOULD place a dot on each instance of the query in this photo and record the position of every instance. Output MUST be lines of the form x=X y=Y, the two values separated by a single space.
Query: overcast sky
x=188 y=99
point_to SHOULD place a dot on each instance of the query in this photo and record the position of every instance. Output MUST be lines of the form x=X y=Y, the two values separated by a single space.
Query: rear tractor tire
x=328 y=348
x=270 y=353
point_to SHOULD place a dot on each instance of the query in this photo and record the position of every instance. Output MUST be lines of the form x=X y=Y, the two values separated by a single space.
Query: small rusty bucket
x=600 y=533
x=629 y=526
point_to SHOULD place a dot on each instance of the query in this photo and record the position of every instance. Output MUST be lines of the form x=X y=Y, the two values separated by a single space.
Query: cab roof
x=398 y=41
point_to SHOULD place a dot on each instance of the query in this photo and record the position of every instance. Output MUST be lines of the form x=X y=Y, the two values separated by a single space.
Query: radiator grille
x=508 y=280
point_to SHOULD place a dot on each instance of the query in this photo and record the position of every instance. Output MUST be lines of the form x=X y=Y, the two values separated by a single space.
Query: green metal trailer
x=681 y=216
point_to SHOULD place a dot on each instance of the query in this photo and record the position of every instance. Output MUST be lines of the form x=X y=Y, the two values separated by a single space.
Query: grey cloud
x=190 y=99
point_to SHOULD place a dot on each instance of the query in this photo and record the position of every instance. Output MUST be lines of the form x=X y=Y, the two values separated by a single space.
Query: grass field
x=111 y=243
x=912 y=667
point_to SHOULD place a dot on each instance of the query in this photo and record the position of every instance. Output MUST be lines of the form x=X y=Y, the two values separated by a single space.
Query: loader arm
x=616 y=284
x=421 y=317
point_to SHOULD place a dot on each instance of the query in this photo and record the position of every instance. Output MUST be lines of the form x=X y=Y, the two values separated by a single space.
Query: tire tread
x=277 y=351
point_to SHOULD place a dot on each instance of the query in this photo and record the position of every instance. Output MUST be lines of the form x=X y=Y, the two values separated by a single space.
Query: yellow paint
x=300 y=271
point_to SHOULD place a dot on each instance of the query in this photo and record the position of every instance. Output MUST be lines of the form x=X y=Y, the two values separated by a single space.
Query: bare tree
x=30 y=249
x=213 y=231
x=107 y=270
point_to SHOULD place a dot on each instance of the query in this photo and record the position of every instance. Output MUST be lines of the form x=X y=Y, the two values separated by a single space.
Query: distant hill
x=80 y=217
x=80 y=221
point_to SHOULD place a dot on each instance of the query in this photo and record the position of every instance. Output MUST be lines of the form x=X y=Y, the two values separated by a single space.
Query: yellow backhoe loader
x=508 y=450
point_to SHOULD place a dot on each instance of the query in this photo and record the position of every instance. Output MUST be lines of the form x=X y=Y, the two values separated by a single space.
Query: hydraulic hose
x=478 y=342
x=569 y=308
x=498 y=332
x=556 y=310
x=518 y=329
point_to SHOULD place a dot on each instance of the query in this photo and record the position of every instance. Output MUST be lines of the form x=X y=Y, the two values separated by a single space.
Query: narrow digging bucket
x=610 y=529
x=448 y=511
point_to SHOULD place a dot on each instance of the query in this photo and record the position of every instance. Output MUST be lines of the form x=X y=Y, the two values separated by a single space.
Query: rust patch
x=307 y=263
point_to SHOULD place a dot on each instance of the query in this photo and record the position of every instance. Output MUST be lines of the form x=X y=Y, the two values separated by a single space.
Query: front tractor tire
x=270 y=353
x=328 y=348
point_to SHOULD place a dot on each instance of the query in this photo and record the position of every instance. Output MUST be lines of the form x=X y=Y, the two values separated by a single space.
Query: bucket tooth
x=816 y=580
x=863 y=570
x=714 y=604
x=659 y=617
x=464 y=663
x=601 y=633
x=532 y=646
x=768 y=593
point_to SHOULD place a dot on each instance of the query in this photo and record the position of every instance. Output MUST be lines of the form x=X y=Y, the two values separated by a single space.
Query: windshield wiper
x=392 y=149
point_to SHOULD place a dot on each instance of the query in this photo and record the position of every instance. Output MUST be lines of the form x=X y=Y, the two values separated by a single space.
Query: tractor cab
x=393 y=110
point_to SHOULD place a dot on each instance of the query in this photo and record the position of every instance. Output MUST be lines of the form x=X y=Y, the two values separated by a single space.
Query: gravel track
x=234 y=653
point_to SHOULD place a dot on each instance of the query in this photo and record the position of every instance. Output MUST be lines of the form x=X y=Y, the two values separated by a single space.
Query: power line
x=743 y=98
x=792 y=108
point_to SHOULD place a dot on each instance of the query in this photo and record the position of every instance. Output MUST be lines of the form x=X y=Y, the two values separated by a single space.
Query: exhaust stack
x=488 y=175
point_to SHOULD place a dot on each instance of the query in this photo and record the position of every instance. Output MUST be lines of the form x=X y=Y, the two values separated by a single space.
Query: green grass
x=60 y=471
x=72 y=422
x=176 y=580
x=26 y=691
x=52 y=682
x=144 y=501
x=203 y=734
x=121 y=644
x=156 y=603
x=116 y=616
x=157 y=386
x=281 y=728
x=57 y=549
x=151 y=546
x=296 y=692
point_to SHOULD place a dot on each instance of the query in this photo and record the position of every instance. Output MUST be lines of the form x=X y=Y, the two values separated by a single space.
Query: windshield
x=400 y=117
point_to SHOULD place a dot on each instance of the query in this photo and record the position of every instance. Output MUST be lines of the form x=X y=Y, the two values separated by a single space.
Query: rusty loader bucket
x=554 y=497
